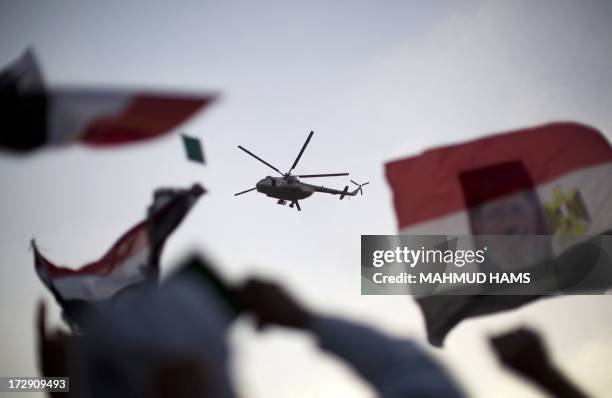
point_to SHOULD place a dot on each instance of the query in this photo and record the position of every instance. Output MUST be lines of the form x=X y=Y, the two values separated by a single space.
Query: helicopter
x=289 y=188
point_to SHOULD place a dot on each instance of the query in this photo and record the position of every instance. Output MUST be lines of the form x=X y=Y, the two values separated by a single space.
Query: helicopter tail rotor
x=359 y=187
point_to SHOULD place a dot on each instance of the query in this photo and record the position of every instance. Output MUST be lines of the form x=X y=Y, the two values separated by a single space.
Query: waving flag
x=554 y=180
x=132 y=260
x=34 y=115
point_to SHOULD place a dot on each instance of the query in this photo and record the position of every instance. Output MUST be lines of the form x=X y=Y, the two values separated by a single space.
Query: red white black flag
x=34 y=115
x=131 y=260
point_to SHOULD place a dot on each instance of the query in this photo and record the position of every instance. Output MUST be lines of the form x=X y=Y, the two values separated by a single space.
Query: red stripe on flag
x=428 y=185
x=130 y=243
x=145 y=117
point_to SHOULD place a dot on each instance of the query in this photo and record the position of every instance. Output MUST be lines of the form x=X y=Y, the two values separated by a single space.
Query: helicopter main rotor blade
x=261 y=160
x=354 y=182
x=302 y=151
x=322 y=175
x=248 y=190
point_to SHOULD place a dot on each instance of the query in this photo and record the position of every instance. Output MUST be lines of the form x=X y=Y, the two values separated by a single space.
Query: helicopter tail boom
x=345 y=192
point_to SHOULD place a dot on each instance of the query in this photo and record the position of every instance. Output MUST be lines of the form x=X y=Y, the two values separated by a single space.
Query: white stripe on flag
x=100 y=287
x=71 y=111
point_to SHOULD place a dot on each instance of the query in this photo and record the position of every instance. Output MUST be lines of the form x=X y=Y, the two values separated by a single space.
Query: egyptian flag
x=34 y=115
x=554 y=180
x=132 y=260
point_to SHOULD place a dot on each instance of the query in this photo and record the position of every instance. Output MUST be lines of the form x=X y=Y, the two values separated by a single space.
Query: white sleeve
x=395 y=367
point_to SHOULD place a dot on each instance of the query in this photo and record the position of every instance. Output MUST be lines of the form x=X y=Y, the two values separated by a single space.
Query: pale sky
x=375 y=82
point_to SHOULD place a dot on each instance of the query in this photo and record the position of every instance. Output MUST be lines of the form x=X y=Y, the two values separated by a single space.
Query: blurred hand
x=270 y=304
x=522 y=351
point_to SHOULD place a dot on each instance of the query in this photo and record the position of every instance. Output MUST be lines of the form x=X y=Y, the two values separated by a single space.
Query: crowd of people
x=169 y=340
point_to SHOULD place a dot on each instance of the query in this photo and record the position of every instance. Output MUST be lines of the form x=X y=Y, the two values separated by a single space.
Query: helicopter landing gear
x=281 y=202
x=296 y=205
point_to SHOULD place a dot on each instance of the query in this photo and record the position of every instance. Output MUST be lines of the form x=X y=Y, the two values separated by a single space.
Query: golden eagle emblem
x=566 y=214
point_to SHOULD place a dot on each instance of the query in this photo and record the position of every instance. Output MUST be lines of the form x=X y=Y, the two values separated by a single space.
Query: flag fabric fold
x=132 y=260
x=553 y=180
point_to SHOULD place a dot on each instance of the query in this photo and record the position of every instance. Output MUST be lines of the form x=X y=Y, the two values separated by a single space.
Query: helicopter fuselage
x=290 y=188
x=284 y=188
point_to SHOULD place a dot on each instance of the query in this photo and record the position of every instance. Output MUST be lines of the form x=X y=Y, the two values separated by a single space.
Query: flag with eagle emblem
x=553 y=180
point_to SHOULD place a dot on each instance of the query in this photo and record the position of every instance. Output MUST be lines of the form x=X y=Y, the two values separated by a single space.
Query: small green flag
x=193 y=149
